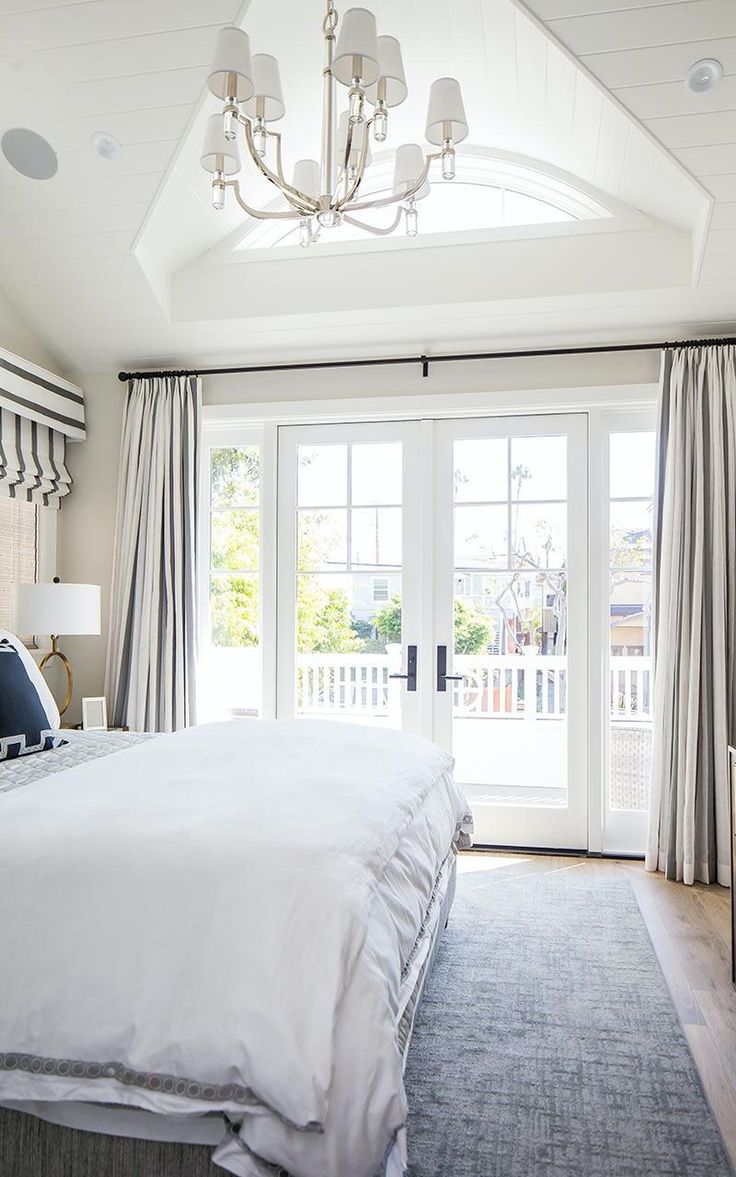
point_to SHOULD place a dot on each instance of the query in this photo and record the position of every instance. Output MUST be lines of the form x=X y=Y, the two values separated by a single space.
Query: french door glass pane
x=510 y=620
x=632 y=461
x=349 y=581
x=229 y=670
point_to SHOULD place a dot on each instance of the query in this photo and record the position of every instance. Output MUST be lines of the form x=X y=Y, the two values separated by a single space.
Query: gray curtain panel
x=694 y=615
x=151 y=657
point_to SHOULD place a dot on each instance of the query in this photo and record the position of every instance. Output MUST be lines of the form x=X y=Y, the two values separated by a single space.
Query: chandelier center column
x=329 y=113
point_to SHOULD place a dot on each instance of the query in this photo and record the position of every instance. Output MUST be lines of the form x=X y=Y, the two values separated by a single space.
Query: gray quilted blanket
x=82 y=746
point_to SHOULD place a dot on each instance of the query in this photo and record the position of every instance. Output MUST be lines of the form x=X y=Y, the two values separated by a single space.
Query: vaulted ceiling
x=123 y=263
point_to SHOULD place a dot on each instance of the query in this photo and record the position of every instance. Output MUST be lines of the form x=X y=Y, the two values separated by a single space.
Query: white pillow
x=46 y=699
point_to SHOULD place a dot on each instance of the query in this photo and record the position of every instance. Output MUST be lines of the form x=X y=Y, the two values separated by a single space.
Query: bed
x=220 y=938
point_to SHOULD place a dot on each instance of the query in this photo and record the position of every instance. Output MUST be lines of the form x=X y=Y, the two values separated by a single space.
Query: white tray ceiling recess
x=124 y=262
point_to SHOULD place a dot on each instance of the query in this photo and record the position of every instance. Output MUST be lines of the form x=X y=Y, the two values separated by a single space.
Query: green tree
x=473 y=630
x=324 y=624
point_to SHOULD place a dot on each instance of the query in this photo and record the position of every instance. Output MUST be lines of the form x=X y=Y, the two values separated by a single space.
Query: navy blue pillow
x=24 y=725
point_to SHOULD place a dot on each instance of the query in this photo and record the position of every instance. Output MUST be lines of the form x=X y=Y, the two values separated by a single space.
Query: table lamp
x=58 y=609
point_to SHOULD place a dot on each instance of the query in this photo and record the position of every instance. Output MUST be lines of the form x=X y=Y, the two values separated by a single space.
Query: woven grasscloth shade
x=18 y=529
x=32 y=461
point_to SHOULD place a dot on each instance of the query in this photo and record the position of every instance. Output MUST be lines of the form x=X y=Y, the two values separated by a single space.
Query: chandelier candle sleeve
x=390 y=89
x=328 y=191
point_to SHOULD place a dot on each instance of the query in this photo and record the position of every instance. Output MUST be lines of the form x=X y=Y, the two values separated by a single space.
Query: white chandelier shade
x=357 y=49
x=267 y=100
x=394 y=88
x=324 y=193
x=407 y=170
x=306 y=177
x=218 y=153
x=231 y=75
x=446 y=115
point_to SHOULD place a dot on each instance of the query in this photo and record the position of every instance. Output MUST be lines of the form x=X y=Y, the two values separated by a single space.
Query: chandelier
x=325 y=194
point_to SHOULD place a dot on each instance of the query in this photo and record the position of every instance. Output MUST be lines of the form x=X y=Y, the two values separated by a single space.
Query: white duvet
x=226 y=920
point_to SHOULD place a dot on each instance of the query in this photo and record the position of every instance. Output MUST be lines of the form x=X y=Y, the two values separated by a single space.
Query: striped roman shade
x=38 y=413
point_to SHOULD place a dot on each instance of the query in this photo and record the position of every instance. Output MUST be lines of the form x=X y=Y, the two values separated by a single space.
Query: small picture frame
x=94 y=714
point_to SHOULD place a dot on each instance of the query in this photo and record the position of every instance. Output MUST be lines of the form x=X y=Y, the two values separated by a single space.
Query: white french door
x=510 y=623
x=432 y=576
x=349 y=556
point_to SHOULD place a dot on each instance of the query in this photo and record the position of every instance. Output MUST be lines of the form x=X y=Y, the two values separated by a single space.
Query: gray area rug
x=546 y=1046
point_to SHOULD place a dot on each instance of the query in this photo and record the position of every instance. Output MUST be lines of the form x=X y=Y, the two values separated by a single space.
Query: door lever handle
x=442 y=676
x=411 y=669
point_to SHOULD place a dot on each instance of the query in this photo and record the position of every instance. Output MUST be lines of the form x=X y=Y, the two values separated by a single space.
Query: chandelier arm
x=293 y=195
x=373 y=228
x=283 y=182
x=262 y=214
x=385 y=201
x=351 y=192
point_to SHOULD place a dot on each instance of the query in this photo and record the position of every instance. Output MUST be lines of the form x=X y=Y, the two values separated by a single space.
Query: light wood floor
x=689 y=928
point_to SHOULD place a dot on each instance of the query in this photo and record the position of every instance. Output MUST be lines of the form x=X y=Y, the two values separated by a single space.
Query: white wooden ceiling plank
x=638 y=168
x=670 y=99
x=152 y=91
x=721 y=243
x=616 y=130
x=717 y=270
x=659 y=63
x=586 y=131
x=129 y=127
x=105 y=244
x=723 y=188
x=175 y=48
x=72 y=223
x=558 y=9
x=531 y=68
x=559 y=106
x=70 y=194
x=695 y=130
x=638 y=27
x=94 y=269
x=712 y=159
x=724 y=215
x=13 y=7
x=107 y=20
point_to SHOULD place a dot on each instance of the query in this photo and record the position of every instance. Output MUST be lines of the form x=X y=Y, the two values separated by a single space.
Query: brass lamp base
x=55 y=652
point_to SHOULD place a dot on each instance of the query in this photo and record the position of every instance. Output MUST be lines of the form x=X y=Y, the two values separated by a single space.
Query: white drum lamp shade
x=446 y=117
x=58 y=609
x=218 y=153
x=407 y=170
x=307 y=177
x=356 y=145
x=267 y=100
x=357 y=47
x=231 y=75
x=391 y=66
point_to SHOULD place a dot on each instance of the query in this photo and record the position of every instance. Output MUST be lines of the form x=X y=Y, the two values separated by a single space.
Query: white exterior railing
x=495 y=686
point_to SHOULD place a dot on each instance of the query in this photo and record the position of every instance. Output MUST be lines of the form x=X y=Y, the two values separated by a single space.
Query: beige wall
x=88 y=516
x=16 y=336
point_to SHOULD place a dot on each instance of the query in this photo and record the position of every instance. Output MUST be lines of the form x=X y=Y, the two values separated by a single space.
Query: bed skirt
x=34 y=1147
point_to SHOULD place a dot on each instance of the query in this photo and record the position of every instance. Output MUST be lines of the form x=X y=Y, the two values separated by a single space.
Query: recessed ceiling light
x=704 y=76
x=106 y=145
x=29 y=153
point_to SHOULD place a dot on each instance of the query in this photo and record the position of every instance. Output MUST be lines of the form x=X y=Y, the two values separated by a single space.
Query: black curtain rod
x=425 y=361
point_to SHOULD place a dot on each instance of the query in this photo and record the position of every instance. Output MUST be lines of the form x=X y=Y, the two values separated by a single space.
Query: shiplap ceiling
x=641 y=52
x=111 y=261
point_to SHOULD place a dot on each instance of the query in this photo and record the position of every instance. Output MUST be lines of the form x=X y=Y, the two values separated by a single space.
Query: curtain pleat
x=150 y=680
x=32 y=461
x=694 y=615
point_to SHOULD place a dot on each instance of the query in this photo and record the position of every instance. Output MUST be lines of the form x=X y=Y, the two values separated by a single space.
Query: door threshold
x=557 y=851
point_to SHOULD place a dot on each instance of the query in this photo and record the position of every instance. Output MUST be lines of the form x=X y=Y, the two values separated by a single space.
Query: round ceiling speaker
x=29 y=153
x=704 y=76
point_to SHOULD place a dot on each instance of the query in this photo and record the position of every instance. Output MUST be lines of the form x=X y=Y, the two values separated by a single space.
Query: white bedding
x=233 y=923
